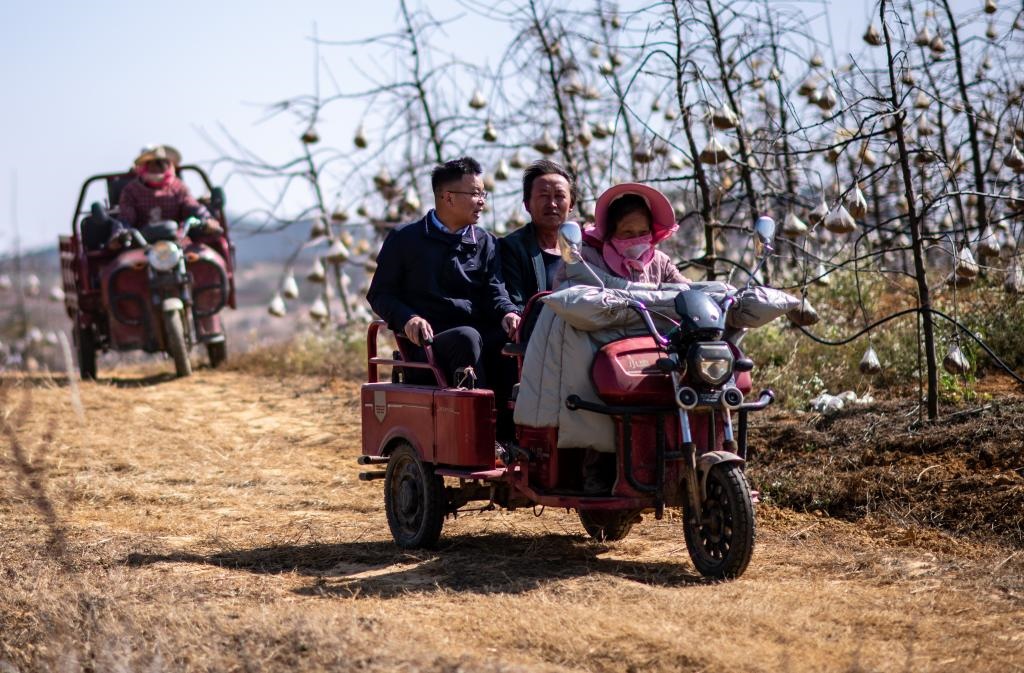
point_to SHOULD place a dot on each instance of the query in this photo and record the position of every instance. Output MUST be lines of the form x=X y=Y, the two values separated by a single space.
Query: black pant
x=480 y=349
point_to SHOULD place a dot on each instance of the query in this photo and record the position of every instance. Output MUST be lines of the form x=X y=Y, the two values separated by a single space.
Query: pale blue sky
x=86 y=84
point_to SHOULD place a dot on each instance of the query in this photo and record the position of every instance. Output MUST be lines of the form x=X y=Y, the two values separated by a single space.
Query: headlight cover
x=163 y=255
x=713 y=362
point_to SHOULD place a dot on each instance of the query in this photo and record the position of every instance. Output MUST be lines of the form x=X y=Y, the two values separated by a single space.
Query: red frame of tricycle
x=453 y=429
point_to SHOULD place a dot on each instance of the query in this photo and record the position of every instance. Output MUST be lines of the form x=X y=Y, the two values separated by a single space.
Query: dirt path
x=217 y=523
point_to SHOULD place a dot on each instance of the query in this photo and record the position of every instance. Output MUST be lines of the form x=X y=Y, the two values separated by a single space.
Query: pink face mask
x=158 y=179
x=632 y=248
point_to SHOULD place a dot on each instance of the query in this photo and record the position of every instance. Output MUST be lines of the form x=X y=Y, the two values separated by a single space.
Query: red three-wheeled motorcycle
x=160 y=290
x=680 y=418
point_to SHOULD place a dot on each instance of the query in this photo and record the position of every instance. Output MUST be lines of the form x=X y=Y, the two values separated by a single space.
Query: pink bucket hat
x=663 y=216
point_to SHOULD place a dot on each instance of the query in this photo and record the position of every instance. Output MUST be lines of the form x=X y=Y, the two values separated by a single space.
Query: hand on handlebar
x=209 y=226
x=418 y=331
x=120 y=240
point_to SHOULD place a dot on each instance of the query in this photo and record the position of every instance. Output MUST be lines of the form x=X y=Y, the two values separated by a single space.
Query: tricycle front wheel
x=176 y=343
x=413 y=499
x=720 y=538
x=85 y=342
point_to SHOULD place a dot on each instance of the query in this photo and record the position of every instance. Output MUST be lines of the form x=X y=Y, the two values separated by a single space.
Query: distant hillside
x=252 y=245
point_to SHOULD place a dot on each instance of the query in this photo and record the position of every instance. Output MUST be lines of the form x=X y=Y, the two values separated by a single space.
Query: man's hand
x=510 y=323
x=418 y=330
x=212 y=226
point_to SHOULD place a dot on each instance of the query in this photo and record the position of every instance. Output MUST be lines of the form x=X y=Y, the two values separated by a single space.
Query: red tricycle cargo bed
x=451 y=426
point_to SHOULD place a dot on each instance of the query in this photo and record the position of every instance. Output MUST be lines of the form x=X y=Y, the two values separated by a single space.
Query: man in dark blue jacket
x=439 y=279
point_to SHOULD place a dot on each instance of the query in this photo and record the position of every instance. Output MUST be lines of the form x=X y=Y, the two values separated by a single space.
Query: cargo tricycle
x=160 y=289
x=678 y=402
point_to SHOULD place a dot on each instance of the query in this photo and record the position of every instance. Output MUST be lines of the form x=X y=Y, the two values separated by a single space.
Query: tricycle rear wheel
x=720 y=538
x=414 y=499
x=607 y=525
x=85 y=342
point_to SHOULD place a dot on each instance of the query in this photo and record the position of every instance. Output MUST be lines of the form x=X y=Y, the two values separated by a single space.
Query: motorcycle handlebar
x=644 y=314
x=767 y=397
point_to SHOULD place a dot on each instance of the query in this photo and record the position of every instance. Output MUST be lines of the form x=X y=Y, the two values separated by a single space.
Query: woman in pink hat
x=630 y=220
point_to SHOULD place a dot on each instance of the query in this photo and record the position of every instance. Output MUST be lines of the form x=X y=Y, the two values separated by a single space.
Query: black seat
x=96 y=228
x=95 y=234
x=115 y=185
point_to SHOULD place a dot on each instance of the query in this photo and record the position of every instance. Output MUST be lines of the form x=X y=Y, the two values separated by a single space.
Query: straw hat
x=154 y=152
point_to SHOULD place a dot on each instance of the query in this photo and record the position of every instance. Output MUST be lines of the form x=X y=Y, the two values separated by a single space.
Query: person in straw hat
x=158 y=194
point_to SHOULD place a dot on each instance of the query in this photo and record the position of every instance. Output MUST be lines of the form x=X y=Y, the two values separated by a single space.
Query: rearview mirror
x=764 y=229
x=570 y=242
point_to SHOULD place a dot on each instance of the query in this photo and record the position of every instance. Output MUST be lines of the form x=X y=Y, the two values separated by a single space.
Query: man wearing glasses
x=438 y=281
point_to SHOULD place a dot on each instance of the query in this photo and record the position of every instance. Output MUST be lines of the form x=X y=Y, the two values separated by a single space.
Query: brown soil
x=217 y=524
x=963 y=473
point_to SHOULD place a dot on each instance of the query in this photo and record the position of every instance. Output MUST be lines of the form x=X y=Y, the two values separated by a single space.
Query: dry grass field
x=217 y=524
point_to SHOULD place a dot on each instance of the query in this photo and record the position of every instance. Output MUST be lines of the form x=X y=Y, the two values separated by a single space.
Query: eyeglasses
x=476 y=196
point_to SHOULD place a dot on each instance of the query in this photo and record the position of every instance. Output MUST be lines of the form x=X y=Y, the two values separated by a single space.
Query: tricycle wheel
x=176 y=343
x=720 y=538
x=86 y=343
x=607 y=525
x=413 y=499
x=218 y=353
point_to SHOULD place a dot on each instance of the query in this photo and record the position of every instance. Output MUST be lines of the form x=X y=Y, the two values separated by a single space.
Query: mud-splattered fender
x=708 y=460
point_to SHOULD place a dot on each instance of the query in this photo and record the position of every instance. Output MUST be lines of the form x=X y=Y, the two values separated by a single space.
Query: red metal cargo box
x=464 y=427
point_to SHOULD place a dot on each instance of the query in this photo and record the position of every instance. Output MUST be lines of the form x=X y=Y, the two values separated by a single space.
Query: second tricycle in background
x=158 y=287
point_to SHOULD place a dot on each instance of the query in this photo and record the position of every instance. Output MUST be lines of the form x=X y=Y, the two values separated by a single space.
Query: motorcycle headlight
x=163 y=255
x=713 y=363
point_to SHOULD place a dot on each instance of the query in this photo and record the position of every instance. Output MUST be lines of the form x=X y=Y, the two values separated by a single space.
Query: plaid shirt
x=141 y=205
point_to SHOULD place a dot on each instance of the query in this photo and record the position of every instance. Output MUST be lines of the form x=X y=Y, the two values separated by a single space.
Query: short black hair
x=546 y=167
x=452 y=171
x=622 y=206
